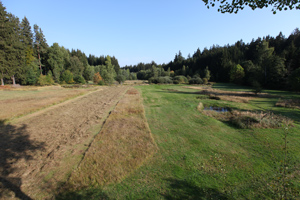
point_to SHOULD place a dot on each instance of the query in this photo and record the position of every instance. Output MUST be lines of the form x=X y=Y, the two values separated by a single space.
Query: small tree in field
x=97 y=78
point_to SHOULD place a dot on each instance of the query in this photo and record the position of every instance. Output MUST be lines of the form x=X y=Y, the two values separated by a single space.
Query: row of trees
x=272 y=62
x=26 y=58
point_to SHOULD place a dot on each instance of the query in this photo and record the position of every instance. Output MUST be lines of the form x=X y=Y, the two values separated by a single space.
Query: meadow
x=156 y=142
x=200 y=157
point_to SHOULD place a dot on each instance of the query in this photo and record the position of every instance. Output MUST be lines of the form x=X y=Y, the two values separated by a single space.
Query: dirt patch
x=39 y=153
x=123 y=144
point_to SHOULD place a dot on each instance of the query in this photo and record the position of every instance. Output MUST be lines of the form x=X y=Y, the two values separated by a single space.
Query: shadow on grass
x=14 y=145
x=87 y=194
x=181 y=189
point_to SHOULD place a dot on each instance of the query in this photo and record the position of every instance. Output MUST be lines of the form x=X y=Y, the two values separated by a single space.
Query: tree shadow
x=91 y=193
x=15 y=144
x=181 y=189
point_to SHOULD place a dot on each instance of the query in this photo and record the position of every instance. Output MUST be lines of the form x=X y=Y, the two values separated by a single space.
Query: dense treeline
x=26 y=58
x=270 y=62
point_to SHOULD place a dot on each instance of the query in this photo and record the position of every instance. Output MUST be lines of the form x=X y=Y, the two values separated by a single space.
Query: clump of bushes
x=180 y=80
x=67 y=77
x=196 y=80
x=161 y=80
x=79 y=79
x=97 y=78
x=45 y=80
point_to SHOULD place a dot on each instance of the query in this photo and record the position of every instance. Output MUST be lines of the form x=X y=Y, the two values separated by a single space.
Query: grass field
x=200 y=157
x=187 y=155
x=16 y=102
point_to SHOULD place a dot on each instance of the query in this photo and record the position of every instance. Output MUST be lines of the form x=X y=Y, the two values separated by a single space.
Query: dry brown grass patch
x=288 y=103
x=249 y=119
x=123 y=144
x=234 y=96
x=15 y=103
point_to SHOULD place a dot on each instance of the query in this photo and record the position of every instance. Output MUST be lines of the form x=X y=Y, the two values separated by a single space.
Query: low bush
x=67 y=76
x=79 y=79
x=196 y=80
x=160 y=80
x=45 y=80
x=180 y=80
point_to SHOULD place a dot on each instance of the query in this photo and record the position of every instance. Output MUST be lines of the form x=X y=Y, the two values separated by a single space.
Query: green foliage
x=79 y=79
x=207 y=74
x=56 y=60
x=76 y=66
x=294 y=80
x=180 y=80
x=67 y=77
x=32 y=74
x=101 y=82
x=196 y=80
x=120 y=78
x=256 y=87
x=45 y=80
x=237 y=74
x=161 y=80
x=236 y=5
x=88 y=73
x=205 y=81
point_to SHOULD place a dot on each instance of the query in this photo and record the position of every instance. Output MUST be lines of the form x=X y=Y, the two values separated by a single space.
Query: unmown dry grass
x=233 y=96
x=248 y=119
x=123 y=144
x=16 y=102
x=288 y=103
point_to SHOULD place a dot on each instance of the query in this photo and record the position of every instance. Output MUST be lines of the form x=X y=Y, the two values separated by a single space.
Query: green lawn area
x=200 y=157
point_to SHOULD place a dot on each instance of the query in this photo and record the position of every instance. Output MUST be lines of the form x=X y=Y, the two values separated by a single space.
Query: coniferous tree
x=41 y=45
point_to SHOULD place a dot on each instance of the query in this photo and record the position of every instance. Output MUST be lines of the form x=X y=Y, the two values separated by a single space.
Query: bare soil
x=40 y=151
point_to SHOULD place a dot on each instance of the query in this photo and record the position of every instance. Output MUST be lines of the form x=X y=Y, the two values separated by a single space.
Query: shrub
x=180 y=80
x=101 y=82
x=45 y=80
x=256 y=87
x=79 y=79
x=164 y=80
x=97 y=78
x=120 y=78
x=205 y=81
x=67 y=76
x=196 y=80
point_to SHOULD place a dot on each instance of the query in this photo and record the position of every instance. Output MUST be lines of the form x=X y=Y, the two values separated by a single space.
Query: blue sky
x=142 y=30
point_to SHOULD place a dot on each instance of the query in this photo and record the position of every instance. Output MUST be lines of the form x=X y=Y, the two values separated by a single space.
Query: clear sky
x=144 y=30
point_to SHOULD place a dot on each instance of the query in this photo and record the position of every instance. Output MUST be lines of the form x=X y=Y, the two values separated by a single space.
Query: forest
x=272 y=63
x=27 y=59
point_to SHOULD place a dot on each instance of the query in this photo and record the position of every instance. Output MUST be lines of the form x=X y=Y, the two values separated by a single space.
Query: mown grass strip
x=123 y=144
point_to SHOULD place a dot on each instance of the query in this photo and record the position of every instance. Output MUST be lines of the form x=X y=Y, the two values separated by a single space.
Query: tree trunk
x=2 y=82
x=38 y=48
x=13 y=79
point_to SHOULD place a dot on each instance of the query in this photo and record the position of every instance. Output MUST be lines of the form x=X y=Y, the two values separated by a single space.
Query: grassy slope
x=200 y=157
